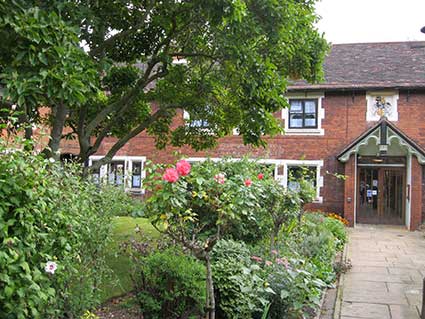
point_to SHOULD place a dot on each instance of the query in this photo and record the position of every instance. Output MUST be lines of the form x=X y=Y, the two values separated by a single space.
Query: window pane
x=297 y=172
x=310 y=120
x=296 y=120
x=136 y=178
x=199 y=123
x=96 y=174
x=296 y=106
x=116 y=173
x=310 y=107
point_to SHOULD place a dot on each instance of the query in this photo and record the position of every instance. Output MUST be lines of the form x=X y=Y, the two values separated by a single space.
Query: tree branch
x=123 y=140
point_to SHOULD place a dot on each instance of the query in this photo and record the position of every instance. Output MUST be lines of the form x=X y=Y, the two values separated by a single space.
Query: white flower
x=51 y=267
x=13 y=107
x=51 y=160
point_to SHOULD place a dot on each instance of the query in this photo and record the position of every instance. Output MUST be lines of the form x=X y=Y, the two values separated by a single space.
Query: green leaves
x=47 y=213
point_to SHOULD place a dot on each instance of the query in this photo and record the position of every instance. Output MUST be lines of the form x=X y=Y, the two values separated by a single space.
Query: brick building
x=366 y=121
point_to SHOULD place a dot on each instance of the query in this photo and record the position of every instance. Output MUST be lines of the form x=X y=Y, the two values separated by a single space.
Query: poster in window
x=136 y=181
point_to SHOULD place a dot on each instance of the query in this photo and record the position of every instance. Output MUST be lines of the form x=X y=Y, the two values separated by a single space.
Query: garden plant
x=262 y=257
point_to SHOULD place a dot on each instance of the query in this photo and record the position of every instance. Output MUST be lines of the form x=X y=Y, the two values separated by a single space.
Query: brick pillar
x=416 y=195
x=349 y=189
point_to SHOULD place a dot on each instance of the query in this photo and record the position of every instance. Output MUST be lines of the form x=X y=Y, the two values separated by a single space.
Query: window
x=295 y=173
x=96 y=174
x=303 y=113
x=195 y=122
x=136 y=176
x=125 y=171
x=116 y=171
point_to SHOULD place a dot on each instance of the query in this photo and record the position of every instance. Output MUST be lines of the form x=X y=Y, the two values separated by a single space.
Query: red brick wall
x=345 y=120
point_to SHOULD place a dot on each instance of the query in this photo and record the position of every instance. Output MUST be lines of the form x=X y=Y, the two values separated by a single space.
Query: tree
x=238 y=56
x=197 y=207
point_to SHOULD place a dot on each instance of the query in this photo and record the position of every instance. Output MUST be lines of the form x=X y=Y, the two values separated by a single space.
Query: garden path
x=385 y=281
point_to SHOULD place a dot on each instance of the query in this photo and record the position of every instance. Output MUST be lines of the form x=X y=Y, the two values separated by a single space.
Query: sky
x=352 y=21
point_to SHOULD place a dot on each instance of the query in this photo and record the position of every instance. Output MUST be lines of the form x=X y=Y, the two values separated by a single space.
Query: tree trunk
x=52 y=150
x=210 y=289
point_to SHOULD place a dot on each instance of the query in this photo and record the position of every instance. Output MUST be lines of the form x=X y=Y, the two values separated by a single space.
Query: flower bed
x=263 y=258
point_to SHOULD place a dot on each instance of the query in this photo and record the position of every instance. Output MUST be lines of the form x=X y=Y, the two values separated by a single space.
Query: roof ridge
x=378 y=43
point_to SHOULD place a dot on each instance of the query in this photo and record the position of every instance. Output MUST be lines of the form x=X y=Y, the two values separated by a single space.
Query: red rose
x=171 y=175
x=183 y=167
x=248 y=182
x=260 y=176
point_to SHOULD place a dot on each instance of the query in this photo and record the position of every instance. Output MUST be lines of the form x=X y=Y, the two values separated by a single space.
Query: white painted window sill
x=316 y=131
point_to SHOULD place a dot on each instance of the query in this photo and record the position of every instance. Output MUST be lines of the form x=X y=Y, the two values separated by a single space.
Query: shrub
x=170 y=285
x=337 y=228
x=239 y=284
x=120 y=203
x=297 y=290
x=48 y=213
x=338 y=217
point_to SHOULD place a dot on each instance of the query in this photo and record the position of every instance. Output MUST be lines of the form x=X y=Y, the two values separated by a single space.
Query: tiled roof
x=372 y=66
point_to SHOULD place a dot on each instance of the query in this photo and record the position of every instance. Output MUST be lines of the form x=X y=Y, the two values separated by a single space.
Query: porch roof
x=380 y=130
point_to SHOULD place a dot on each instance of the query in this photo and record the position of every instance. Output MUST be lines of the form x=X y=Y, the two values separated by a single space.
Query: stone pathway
x=385 y=281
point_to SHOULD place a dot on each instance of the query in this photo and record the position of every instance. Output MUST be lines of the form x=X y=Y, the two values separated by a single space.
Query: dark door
x=381 y=195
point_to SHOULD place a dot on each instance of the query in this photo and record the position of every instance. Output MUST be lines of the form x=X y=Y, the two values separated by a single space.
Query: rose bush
x=215 y=201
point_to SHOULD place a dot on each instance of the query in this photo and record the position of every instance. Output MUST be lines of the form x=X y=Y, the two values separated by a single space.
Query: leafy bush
x=120 y=203
x=297 y=290
x=49 y=214
x=170 y=285
x=239 y=284
x=337 y=228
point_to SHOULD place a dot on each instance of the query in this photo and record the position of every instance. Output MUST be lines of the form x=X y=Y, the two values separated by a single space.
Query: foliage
x=237 y=59
x=303 y=265
x=119 y=202
x=337 y=228
x=282 y=205
x=239 y=285
x=338 y=217
x=124 y=229
x=49 y=214
x=170 y=285
x=297 y=289
x=197 y=208
x=89 y=315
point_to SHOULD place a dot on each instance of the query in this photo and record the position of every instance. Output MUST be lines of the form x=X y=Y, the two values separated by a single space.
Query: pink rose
x=257 y=259
x=281 y=261
x=274 y=252
x=268 y=263
x=183 y=167
x=248 y=182
x=220 y=178
x=260 y=176
x=171 y=175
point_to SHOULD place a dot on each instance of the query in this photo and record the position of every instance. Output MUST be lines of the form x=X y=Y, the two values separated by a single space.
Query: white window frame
x=320 y=114
x=128 y=170
x=370 y=101
x=283 y=179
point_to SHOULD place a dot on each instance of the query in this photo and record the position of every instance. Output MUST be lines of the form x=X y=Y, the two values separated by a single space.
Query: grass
x=123 y=230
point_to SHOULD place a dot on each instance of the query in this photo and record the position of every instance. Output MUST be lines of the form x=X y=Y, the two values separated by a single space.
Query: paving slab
x=385 y=282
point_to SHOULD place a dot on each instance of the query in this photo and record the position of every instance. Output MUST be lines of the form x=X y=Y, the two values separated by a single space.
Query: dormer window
x=303 y=113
